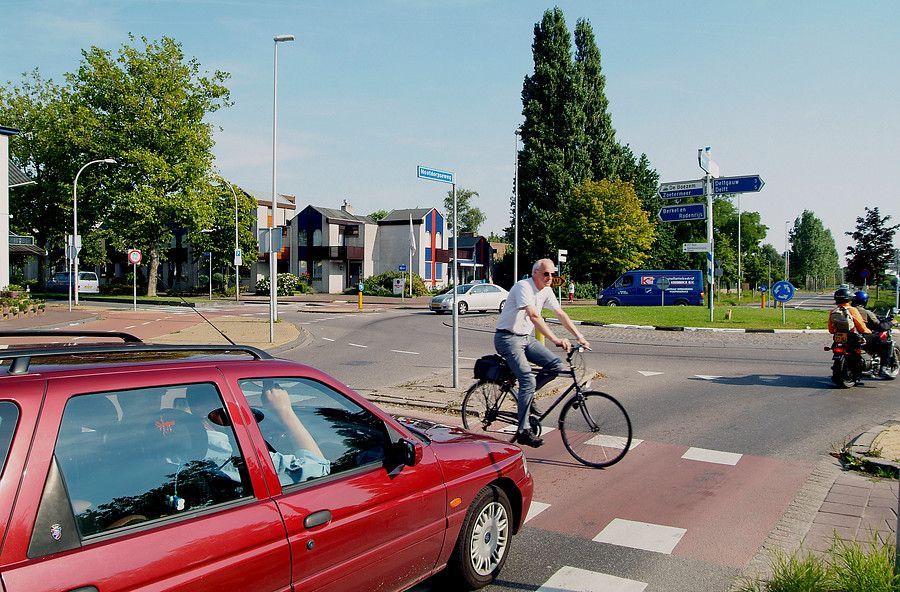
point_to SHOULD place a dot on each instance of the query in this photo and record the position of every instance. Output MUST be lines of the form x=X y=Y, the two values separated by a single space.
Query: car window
x=624 y=281
x=9 y=418
x=144 y=454
x=87 y=275
x=463 y=288
x=314 y=430
x=492 y=289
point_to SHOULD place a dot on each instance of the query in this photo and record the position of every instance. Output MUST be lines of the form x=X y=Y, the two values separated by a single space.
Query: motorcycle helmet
x=842 y=295
x=860 y=298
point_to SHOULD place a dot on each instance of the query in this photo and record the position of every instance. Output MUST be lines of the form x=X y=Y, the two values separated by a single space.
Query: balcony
x=331 y=253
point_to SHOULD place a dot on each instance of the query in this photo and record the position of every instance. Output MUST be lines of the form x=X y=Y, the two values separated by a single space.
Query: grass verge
x=844 y=567
x=698 y=316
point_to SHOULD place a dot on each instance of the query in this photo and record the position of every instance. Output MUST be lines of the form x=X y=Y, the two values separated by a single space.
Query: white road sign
x=695 y=248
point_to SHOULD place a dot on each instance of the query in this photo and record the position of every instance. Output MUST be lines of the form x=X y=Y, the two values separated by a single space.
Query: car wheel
x=612 y=302
x=463 y=307
x=483 y=543
x=500 y=308
x=681 y=302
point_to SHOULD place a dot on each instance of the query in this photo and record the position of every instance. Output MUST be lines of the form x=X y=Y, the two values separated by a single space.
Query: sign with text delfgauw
x=434 y=175
x=678 y=189
x=682 y=213
x=747 y=184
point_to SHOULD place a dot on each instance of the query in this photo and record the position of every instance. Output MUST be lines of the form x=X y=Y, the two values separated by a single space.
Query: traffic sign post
x=679 y=189
x=134 y=257
x=663 y=283
x=782 y=292
x=682 y=213
x=430 y=174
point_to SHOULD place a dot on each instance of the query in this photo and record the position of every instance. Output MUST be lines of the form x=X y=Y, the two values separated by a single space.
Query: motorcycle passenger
x=873 y=340
x=842 y=298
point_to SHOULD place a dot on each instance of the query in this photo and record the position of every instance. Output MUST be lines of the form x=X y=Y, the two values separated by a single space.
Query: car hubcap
x=490 y=538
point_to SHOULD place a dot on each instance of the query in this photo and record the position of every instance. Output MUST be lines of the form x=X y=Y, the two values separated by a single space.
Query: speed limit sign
x=134 y=256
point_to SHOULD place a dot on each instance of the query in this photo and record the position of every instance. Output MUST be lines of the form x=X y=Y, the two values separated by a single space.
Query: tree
x=44 y=149
x=470 y=217
x=874 y=247
x=553 y=158
x=378 y=215
x=814 y=257
x=605 y=230
x=599 y=134
x=146 y=108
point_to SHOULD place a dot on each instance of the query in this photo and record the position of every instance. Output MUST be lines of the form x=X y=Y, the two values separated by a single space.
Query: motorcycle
x=851 y=360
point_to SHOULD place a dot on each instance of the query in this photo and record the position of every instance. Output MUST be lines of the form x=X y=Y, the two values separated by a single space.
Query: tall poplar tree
x=553 y=158
x=599 y=134
x=814 y=257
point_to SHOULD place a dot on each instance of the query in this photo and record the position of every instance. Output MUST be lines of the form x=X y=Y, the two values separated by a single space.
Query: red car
x=129 y=466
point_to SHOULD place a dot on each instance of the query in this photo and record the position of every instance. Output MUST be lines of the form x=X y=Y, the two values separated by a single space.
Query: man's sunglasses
x=549 y=273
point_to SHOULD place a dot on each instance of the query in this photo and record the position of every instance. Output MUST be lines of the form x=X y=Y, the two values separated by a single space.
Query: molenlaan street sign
x=434 y=175
x=746 y=184
x=678 y=189
x=681 y=213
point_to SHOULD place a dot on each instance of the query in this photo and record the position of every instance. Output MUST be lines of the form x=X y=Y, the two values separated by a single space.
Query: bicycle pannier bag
x=491 y=368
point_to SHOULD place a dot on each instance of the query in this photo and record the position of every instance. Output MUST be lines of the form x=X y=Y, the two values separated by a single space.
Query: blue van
x=640 y=288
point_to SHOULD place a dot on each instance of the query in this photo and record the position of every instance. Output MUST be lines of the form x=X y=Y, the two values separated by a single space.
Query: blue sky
x=804 y=93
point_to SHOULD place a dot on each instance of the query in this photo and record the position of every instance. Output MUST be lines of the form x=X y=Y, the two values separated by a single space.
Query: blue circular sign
x=763 y=288
x=783 y=291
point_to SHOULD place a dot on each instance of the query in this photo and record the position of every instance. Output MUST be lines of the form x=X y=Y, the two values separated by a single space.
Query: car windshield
x=61 y=276
x=463 y=288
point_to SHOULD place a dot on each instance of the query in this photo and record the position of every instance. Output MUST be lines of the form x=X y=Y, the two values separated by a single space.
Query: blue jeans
x=520 y=351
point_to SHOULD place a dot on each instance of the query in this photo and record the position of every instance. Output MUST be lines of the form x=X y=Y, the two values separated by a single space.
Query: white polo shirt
x=525 y=293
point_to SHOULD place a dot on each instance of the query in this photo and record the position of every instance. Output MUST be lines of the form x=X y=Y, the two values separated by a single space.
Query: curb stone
x=669 y=328
x=860 y=447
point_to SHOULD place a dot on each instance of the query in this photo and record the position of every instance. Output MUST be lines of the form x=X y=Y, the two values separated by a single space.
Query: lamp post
x=787 y=253
x=237 y=266
x=76 y=244
x=518 y=133
x=273 y=277
x=209 y=253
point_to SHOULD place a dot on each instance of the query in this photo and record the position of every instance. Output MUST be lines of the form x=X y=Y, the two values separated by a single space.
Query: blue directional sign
x=434 y=175
x=695 y=211
x=679 y=189
x=403 y=267
x=763 y=288
x=782 y=291
x=748 y=184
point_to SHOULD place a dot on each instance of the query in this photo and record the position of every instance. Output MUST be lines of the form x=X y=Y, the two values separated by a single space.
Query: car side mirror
x=406 y=452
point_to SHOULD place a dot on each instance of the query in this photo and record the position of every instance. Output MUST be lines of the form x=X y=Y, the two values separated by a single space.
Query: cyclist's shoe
x=528 y=438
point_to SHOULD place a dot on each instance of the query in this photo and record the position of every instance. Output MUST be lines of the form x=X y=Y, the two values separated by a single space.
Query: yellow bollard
x=539 y=336
x=359 y=304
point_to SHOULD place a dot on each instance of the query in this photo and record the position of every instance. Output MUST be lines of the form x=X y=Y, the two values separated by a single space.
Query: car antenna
x=194 y=307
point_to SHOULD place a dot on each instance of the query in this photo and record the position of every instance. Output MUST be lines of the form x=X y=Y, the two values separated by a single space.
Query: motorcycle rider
x=842 y=298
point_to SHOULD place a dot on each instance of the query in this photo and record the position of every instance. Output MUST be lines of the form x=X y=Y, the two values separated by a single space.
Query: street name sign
x=747 y=184
x=682 y=213
x=695 y=247
x=434 y=175
x=678 y=189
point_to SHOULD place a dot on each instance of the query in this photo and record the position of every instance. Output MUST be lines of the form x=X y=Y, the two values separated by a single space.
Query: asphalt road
x=731 y=425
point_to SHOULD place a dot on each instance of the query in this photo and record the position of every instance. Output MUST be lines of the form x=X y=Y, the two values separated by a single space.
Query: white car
x=481 y=297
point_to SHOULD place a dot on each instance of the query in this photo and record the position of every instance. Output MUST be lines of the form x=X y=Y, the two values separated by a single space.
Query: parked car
x=208 y=468
x=641 y=287
x=481 y=297
x=88 y=283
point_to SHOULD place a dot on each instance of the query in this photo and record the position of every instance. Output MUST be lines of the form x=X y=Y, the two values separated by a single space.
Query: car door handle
x=317 y=519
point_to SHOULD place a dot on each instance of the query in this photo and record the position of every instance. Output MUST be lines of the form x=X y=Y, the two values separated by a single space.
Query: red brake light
x=885 y=336
x=839 y=349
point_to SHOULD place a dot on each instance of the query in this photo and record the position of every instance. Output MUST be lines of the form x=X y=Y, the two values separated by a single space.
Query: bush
x=383 y=284
x=288 y=284
x=588 y=291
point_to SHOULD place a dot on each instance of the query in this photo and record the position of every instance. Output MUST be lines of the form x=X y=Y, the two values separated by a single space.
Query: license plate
x=842 y=337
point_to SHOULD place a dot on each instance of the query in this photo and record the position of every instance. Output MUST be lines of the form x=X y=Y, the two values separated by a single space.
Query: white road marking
x=707 y=377
x=613 y=441
x=73 y=324
x=511 y=429
x=4 y=346
x=131 y=326
x=400 y=351
x=770 y=378
x=649 y=373
x=357 y=345
x=712 y=456
x=573 y=579
x=327 y=339
x=641 y=535
x=535 y=509
x=147 y=323
x=465 y=358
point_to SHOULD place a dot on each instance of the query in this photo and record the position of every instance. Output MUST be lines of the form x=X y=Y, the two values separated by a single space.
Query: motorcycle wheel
x=842 y=374
x=890 y=371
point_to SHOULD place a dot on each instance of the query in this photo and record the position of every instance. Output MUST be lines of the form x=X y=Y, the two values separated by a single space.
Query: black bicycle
x=594 y=426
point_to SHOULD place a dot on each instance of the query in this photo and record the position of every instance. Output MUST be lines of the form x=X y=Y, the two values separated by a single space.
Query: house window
x=317 y=271
x=317 y=237
x=302 y=237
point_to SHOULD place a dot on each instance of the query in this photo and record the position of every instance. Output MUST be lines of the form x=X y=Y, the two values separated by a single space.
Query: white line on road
x=712 y=456
x=131 y=326
x=400 y=351
x=573 y=579
x=707 y=377
x=147 y=323
x=327 y=339
x=465 y=358
x=648 y=373
x=641 y=535
x=535 y=509
x=357 y=345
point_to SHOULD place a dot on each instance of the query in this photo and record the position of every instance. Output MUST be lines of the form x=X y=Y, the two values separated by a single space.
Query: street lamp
x=273 y=278
x=76 y=244
x=209 y=231
x=787 y=253
x=518 y=133
x=237 y=267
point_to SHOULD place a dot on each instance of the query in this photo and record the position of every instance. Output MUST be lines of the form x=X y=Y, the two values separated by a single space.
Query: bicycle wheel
x=486 y=403
x=595 y=429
